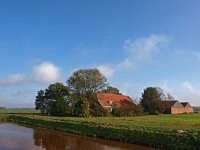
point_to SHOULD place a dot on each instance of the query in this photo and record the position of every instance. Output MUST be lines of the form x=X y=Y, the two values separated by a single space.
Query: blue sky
x=135 y=43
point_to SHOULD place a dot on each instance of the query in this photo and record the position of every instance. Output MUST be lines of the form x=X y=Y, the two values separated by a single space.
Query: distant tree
x=161 y=92
x=40 y=101
x=56 y=99
x=151 y=100
x=111 y=90
x=196 y=109
x=170 y=97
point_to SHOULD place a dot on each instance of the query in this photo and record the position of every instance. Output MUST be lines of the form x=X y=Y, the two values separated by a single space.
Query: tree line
x=78 y=97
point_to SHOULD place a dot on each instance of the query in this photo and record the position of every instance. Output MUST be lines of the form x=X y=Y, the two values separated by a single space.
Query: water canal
x=18 y=137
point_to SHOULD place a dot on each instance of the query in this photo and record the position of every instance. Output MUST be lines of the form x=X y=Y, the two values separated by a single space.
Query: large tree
x=151 y=100
x=53 y=100
x=83 y=85
x=111 y=90
x=86 y=82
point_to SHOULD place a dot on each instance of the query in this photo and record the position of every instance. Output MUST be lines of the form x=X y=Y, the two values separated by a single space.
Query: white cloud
x=46 y=72
x=13 y=79
x=127 y=64
x=139 y=50
x=187 y=85
x=142 y=49
x=165 y=87
x=190 y=94
x=106 y=70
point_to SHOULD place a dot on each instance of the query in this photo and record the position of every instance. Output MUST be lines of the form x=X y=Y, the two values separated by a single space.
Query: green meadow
x=187 y=122
x=19 y=111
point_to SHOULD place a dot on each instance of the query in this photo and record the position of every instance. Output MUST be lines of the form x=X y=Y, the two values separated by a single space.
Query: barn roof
x=186 y=104
x=175 y=104
x=168 y=104
x=107 y=99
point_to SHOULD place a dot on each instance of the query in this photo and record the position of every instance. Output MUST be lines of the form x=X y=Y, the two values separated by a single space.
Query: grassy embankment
x=163 y=131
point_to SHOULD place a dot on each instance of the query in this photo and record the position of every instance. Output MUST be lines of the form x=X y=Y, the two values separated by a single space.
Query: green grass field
x=187 y=122
x=164 y=131
x=19 y=111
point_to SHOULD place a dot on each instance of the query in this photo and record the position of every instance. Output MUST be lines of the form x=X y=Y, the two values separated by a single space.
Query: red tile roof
x=107 y=99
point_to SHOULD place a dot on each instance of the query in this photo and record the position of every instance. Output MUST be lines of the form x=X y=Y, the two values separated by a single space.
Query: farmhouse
x=108 y=100
x=175 y=107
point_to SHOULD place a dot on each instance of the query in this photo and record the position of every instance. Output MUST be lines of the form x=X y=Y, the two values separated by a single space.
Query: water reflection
x=15 y=137
x=54 y=141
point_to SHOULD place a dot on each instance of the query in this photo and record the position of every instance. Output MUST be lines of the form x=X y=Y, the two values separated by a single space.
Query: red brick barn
x=188 y=108
x=172 y=107
x=175 y=107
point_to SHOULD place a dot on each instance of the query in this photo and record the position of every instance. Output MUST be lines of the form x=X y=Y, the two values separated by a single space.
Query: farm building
x=108 y=100
x=187 y=106
x=175 y=107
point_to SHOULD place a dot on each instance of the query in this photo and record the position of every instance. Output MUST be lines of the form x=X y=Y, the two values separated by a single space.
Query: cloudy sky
x=135 y=43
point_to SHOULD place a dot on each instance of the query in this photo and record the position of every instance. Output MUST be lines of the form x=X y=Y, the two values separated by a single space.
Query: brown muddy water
x=18 y=137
